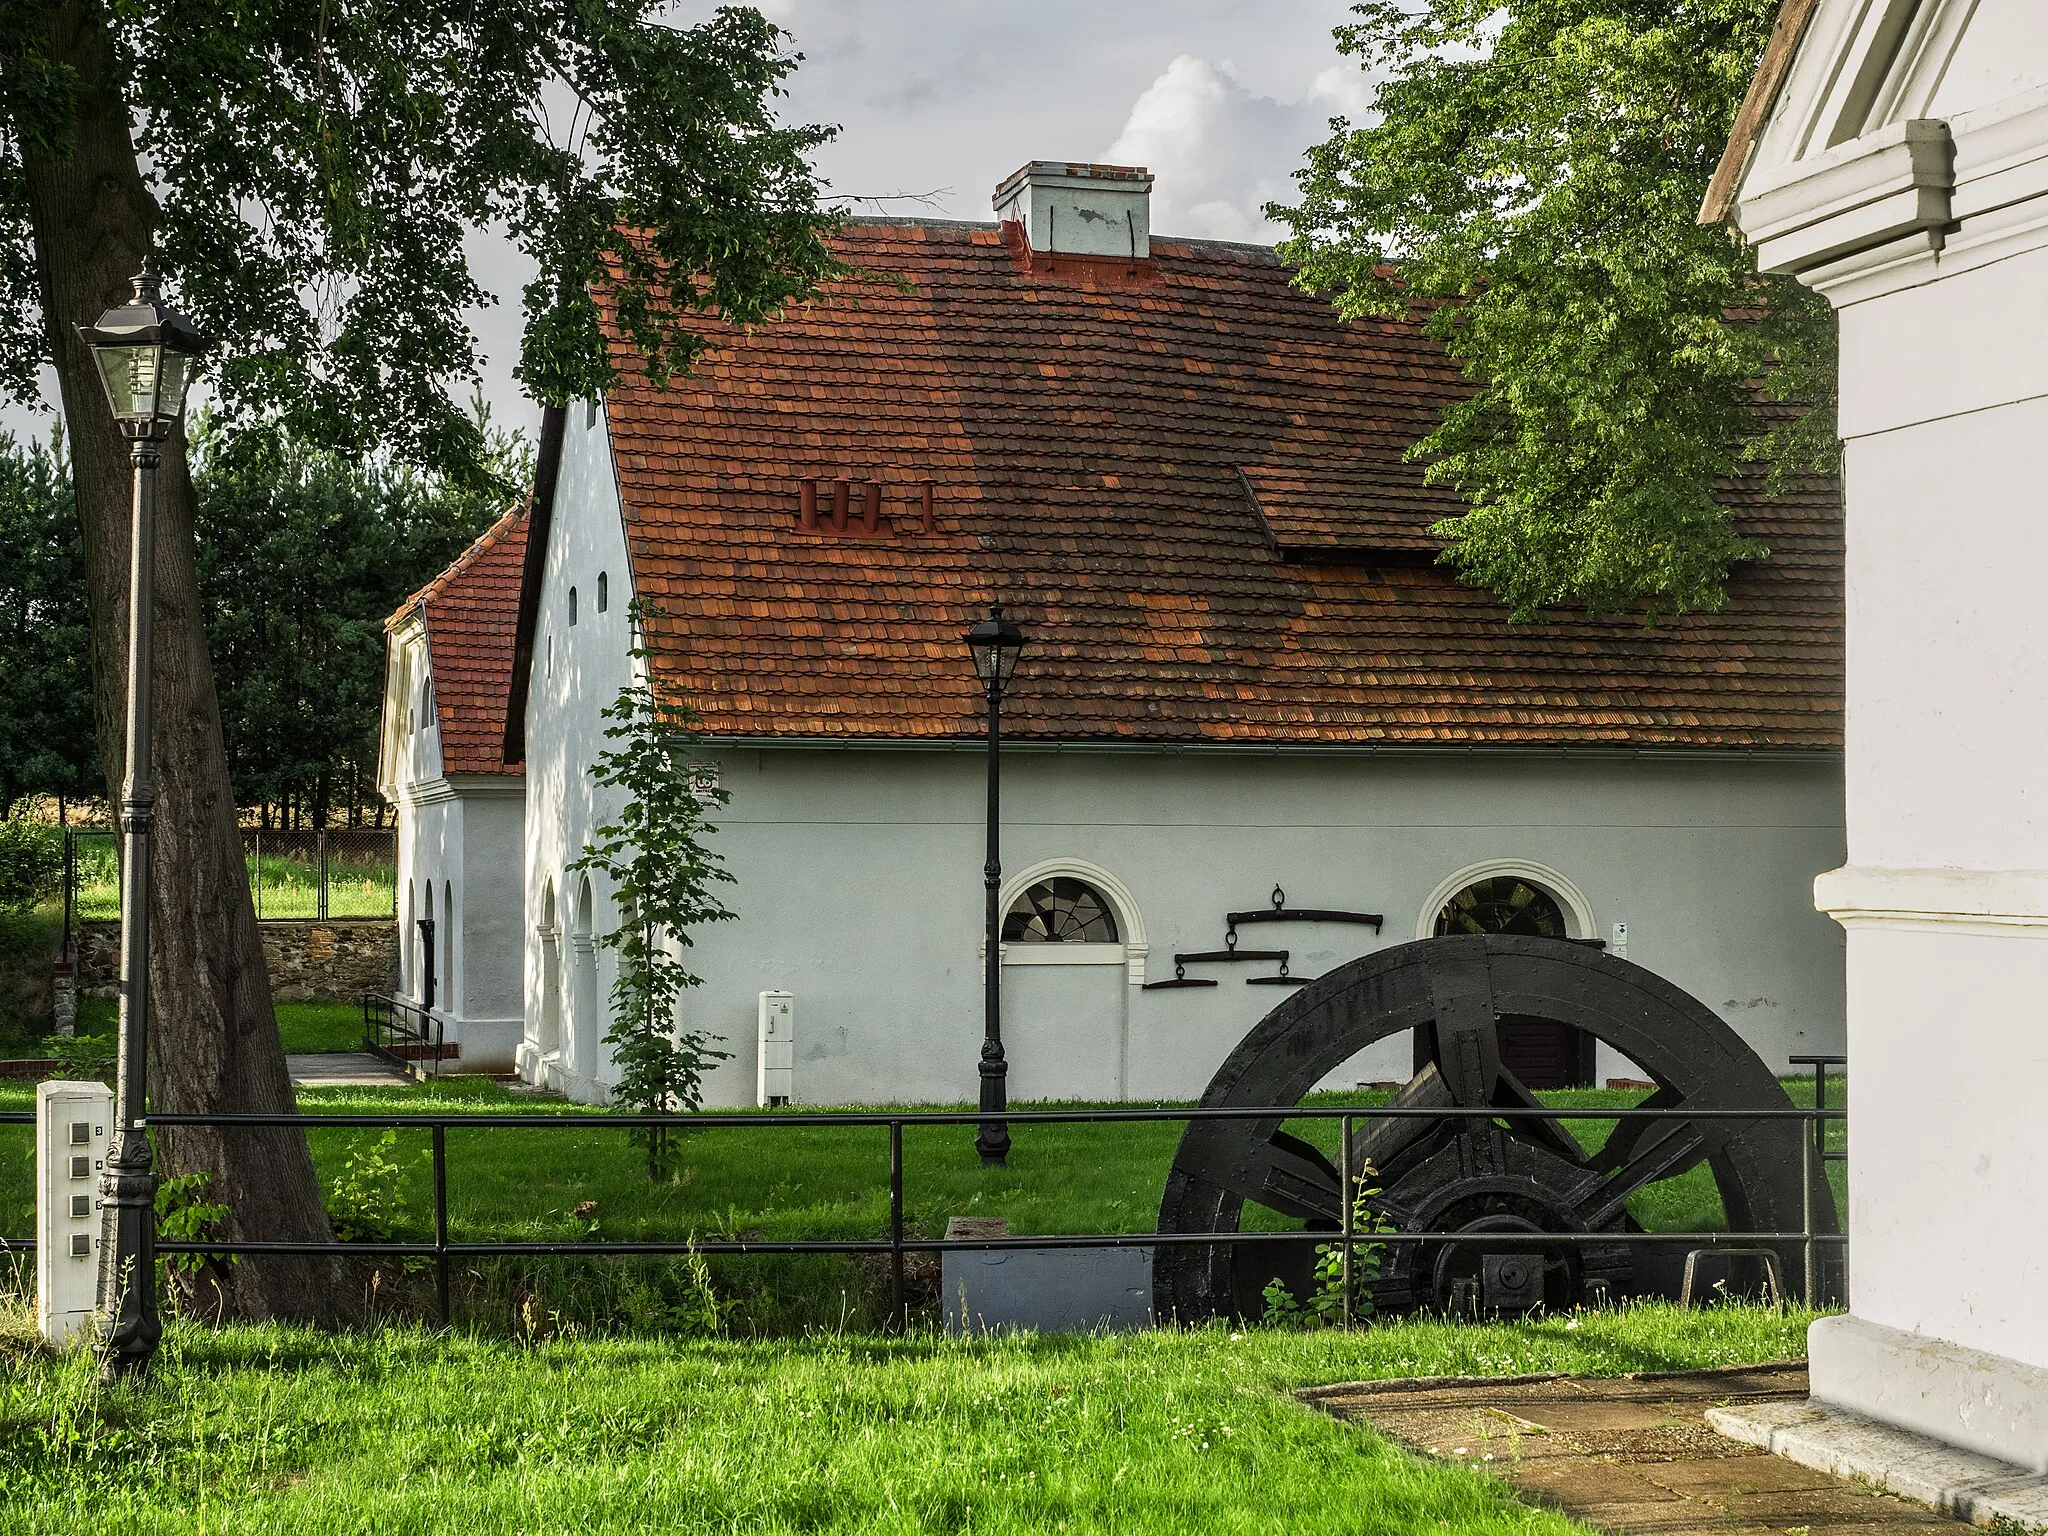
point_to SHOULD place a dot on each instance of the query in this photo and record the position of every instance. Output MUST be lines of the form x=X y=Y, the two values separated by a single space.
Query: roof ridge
x=481 y=545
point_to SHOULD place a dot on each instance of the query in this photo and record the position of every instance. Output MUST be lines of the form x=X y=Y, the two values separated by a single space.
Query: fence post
x=1806 y=1209
x=320 y=892
x=441 y=1221
x=70 y=885
x=899 y=1303
x=1350 y=1207
x=256 y=877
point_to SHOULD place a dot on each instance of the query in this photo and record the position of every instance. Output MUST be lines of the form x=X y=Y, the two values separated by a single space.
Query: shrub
x=31 y=862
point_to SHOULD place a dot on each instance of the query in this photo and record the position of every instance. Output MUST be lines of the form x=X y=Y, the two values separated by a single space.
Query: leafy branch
x=662 y=875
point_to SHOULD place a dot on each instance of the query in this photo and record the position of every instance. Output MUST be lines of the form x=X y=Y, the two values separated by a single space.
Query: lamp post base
x=992 y=1138
x=131 y=1326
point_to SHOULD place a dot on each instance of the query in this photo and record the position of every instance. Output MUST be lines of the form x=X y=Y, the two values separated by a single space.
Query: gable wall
x=577 y=671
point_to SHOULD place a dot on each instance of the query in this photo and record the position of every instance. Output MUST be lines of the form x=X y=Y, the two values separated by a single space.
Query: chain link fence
x=344 y=872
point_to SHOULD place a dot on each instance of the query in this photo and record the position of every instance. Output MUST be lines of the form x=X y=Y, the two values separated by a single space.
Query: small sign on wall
x=1620 y=944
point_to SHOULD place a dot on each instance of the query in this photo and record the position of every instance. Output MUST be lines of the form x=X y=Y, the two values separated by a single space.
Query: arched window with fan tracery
x=1061 y=910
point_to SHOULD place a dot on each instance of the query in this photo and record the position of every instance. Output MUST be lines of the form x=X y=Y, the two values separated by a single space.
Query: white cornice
x=1999 y=901
x=1868 y=192
x=465 y=786
x=1907 y=203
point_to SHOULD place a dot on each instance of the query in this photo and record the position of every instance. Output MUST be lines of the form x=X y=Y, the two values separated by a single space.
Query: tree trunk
x=214 y=1045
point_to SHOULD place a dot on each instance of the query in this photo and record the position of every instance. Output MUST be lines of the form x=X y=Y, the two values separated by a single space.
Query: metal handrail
x=404 y=1034
x=443 y=1251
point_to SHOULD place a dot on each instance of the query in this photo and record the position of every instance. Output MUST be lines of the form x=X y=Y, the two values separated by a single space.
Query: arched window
x=1062 y=910
x=1503 y=904
x=604 y=592
x=572 y=607
x=1541 y=1053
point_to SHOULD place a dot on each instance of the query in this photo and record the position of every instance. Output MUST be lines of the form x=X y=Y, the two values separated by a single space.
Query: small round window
x=1061 y=910
x=1503 y=904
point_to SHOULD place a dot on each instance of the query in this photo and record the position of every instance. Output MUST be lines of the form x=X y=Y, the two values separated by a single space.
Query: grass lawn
x=273 y=1430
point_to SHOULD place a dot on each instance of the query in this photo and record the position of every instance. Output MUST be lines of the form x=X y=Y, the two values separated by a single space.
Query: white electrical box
x=74 y=1122
x=775 y=1069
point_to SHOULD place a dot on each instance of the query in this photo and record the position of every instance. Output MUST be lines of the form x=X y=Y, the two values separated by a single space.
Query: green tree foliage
x=316 y=168
x=31 y=861
x=662 y=877
x=303 y=553
x=1531 y=182
x=46 y=724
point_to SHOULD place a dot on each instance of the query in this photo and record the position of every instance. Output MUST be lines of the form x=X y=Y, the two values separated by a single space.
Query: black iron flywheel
x=1472 y=1174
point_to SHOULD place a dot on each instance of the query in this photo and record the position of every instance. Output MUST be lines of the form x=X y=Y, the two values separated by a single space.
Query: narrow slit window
x=572 y=607
x=604 y=592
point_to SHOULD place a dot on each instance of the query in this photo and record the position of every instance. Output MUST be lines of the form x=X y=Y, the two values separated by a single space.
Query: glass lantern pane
x=130 y=376
x=177 y=374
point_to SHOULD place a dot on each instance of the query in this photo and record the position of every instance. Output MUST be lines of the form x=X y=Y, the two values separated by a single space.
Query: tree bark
x=214 y=1045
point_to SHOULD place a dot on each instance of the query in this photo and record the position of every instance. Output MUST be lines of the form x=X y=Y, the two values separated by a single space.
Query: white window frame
x=1578 y=911
x=1130 y=953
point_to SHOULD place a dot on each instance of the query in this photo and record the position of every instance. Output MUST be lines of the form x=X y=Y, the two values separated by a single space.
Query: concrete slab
x=343 y=1069
x=1633 y=1454
x=1961 y=1483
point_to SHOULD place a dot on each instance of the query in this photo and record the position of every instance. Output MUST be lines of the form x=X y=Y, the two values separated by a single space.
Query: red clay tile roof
x=471 y=610
x=1168 y=477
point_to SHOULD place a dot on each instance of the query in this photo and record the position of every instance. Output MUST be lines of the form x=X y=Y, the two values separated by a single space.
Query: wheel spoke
x=1662 y=1152
x=1467 y=1027
x=1284 y=1174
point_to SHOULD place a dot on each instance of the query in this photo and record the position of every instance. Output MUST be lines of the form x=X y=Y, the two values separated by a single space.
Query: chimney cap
x=1078 y=170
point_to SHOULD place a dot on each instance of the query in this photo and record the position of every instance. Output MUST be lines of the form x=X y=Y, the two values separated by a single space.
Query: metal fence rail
x=443 y=1250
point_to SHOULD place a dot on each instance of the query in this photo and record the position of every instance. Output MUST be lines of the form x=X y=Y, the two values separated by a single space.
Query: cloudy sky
x=939 y=99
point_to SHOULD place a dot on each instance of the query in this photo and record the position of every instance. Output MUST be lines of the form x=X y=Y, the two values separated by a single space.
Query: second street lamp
x=145 y=352
x=995 y=643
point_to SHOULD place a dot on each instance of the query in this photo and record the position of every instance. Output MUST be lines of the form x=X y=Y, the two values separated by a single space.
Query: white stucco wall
x=578 y=670
x=1926 y=223
x=1947 y=455
x=870 y=911
x=462 y=835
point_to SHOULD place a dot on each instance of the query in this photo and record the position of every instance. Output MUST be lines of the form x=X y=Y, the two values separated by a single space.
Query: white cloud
x=1219 y=152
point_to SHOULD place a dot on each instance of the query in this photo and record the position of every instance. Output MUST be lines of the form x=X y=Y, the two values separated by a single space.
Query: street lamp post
x=145 y=352
x=995 y=643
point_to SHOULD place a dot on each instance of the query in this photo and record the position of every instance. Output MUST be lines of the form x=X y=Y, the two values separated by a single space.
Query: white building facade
x=1895 y=157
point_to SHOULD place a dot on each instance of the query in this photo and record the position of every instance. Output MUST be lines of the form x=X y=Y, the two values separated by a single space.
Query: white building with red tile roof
x=1246 y=678
x=461 y=808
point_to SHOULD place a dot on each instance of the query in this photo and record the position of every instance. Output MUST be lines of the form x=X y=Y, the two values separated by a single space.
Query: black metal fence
x=1809 y=1241
x=339 y=873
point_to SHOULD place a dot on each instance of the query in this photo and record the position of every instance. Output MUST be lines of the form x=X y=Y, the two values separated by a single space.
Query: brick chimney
x=1080 y=210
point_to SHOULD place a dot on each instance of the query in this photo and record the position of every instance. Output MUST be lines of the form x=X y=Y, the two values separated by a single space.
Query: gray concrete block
x=1048 y=1290
x=1979 y=1489
x=1990 y=1404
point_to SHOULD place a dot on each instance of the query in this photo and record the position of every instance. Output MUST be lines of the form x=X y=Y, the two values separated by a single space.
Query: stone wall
x=308 y=960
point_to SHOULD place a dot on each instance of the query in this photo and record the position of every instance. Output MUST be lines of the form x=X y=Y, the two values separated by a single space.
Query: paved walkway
x=343 y=1069
x=1632 y=1454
